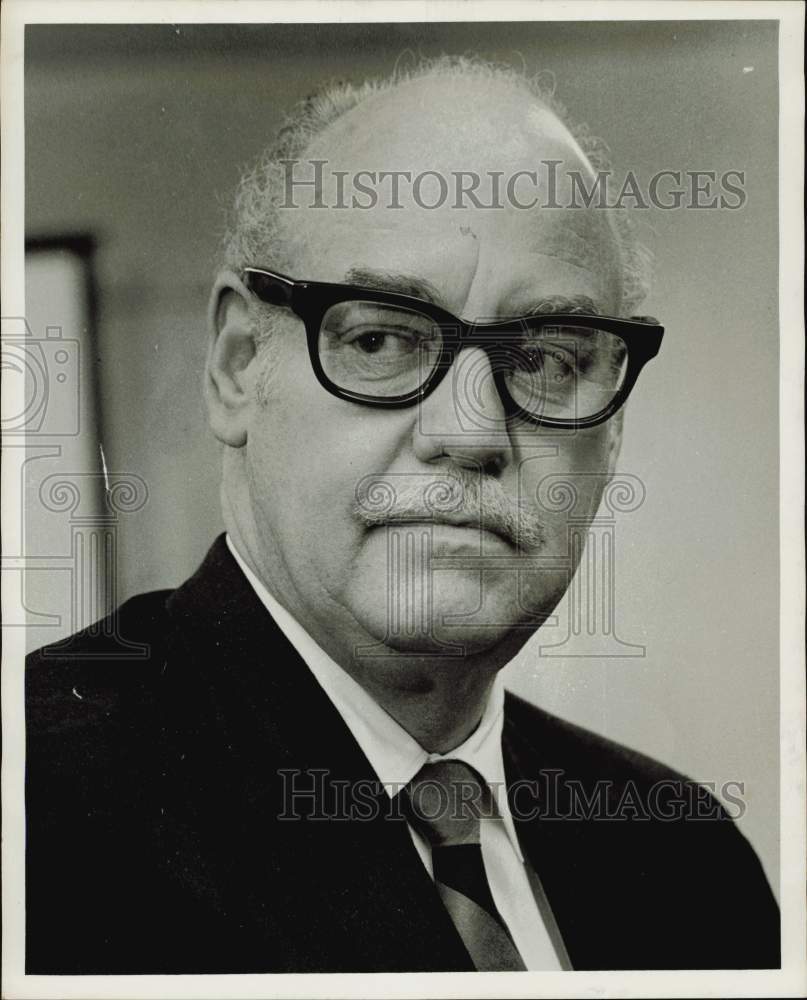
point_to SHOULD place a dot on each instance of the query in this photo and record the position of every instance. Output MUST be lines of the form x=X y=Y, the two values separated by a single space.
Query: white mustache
x=459 y=497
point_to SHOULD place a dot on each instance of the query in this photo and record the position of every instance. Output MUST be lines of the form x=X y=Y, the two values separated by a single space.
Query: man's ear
x=229 y=372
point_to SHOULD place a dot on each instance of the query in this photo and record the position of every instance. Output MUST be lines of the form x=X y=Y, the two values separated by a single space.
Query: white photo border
x=791 y=980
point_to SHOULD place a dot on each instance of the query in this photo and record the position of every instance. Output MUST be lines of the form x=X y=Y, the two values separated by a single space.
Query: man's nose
x=464 y=418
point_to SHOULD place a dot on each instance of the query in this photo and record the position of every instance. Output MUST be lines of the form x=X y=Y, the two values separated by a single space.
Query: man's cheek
x=324 y=536
x=577 y=464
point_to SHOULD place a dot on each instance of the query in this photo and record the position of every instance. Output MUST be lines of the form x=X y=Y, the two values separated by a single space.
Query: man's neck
x=437 y=704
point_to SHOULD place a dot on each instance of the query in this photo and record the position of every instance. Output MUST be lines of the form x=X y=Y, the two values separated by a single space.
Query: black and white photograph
x=403 y=558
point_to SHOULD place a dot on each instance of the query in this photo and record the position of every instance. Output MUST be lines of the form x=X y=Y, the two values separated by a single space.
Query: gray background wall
x=137 y=134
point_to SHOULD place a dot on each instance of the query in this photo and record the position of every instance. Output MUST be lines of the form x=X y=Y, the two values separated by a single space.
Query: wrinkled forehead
x=433 y=175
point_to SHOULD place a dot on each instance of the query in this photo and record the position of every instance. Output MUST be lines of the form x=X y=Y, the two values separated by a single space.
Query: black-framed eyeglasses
x=384 y=349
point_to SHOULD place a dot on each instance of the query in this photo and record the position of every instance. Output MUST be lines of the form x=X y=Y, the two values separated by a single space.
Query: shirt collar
x=393 y=754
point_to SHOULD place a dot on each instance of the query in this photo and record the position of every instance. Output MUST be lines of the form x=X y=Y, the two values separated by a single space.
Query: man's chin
x=437 y=624
x=450 y=643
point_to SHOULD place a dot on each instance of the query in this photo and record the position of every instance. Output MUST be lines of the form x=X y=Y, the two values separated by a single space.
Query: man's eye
x=539 y=359
x=371 y=343
x=381 y=342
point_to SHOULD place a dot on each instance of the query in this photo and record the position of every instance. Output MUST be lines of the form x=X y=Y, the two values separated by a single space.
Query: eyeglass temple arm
x=274 y=289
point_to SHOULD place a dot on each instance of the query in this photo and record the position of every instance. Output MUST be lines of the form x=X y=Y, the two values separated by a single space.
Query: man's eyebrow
x=575 y=304
x=421 y=288
x=389 y=281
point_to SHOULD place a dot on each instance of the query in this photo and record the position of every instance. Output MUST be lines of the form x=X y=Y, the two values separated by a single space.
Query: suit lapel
x=577 y=859
x=260 y=771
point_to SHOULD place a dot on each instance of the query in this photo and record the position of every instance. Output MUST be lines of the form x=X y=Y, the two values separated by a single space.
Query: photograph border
x=791 y=980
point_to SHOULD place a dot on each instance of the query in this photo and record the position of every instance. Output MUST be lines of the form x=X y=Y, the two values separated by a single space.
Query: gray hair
x=253 y=232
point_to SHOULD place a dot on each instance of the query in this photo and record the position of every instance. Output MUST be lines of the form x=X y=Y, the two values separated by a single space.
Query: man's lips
x=468 y=524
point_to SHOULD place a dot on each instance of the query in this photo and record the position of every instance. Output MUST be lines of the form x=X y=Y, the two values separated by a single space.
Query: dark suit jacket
x=154 y=787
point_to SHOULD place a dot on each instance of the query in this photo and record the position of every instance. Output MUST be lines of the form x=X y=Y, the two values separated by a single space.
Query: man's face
x=420 y=585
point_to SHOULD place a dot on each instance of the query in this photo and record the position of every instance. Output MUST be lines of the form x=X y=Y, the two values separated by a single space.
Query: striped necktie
x=445 y=802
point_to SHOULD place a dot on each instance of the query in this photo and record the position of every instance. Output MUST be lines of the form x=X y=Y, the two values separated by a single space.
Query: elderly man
x=315 y=768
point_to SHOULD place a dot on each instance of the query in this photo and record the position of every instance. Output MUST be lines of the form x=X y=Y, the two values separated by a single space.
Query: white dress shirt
x=396 y=758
